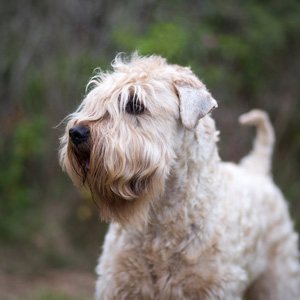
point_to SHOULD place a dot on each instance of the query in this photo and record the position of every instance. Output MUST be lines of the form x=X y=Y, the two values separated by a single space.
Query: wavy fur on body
x=185 y=225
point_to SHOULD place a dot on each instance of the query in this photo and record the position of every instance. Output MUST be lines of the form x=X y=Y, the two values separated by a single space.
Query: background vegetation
x=247 y=53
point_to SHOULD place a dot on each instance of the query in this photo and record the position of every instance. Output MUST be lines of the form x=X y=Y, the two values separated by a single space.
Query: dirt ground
x=72 y=283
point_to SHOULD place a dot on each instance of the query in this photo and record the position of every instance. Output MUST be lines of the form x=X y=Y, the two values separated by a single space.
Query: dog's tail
x=260 y=158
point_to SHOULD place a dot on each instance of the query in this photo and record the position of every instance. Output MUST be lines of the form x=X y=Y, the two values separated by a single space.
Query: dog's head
x=120 y=143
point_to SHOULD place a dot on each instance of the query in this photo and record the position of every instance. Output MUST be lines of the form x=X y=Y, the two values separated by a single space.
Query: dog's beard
x=124 y=175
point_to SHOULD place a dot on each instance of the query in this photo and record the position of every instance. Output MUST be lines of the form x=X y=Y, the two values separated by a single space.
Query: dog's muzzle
x=79 y=134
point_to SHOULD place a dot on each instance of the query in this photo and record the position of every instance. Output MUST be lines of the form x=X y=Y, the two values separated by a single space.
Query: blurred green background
x=246 y=52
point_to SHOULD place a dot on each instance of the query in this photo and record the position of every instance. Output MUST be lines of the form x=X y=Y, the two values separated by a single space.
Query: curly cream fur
x=185 y=225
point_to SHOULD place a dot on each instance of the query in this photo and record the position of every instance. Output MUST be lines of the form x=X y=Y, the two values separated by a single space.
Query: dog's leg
x=281 y=279
x=123 y=274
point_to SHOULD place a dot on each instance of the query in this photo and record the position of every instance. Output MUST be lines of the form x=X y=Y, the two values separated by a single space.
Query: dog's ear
x=195 y=101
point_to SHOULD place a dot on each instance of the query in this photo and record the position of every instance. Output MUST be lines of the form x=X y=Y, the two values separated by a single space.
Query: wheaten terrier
x=185 y=225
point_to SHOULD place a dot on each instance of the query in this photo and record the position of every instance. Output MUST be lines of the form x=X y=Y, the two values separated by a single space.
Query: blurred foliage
x=17 y=158
x=246 y=52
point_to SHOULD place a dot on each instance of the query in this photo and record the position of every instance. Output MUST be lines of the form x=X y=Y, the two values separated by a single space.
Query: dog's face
x=120 y=141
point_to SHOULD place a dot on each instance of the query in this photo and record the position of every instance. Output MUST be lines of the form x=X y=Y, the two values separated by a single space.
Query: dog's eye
x=134 y=107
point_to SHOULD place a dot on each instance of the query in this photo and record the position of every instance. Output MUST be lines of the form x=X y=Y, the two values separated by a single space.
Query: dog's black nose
x=79 y=134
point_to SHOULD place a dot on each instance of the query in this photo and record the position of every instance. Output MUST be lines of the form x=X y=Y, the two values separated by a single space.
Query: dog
x=184 y=224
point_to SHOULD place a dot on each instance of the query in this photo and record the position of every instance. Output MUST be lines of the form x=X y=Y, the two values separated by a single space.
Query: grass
x=46 y=295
